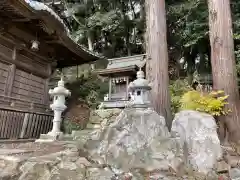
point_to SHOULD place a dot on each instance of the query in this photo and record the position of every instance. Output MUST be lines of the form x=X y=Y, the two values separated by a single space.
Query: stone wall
x=65 y=160
x=98 y=120
x=78 y=113
x=102 y=117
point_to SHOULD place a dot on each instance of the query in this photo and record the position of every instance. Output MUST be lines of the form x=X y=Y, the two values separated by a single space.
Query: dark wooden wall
x=23 y=91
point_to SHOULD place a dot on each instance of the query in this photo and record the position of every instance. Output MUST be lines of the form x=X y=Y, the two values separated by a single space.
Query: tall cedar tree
x=223 y=61
x=157 y=61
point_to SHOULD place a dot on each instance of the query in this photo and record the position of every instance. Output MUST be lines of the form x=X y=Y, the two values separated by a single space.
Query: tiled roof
x=39 y=6
x=123 y=62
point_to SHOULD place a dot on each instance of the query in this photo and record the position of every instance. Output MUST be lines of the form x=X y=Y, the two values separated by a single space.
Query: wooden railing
x=17 y=124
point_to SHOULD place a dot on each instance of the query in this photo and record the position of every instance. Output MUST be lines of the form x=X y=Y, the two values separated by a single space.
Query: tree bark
x=190 y=55
x=223 y=61
x=90 y=41
x=157 y=62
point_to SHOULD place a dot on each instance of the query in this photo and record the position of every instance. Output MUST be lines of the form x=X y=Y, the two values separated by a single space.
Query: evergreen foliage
x=116 y=28
x=88 y=88
x=177 y=89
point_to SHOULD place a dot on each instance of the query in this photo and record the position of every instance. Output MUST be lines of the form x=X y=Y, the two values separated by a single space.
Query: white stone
x=99 y=174
x=234 y=174
x=138 y=138
x=139 y=91
x=197 y=133
x=59 y=94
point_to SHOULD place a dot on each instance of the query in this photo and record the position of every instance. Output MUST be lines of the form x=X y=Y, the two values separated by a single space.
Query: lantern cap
x=140 y=82
x=61 y=82
x=60 y=89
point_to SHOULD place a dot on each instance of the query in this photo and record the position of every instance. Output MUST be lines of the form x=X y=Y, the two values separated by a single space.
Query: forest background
x=117 y=28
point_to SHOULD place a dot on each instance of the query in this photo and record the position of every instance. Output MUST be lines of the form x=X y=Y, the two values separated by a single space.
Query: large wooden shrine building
x=34 y=41
x=120 y=72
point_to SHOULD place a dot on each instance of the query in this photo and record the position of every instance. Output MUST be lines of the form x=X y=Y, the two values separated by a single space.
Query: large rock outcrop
x=197 y=133
x=99 y=119
x=135 y=146
x=137 y=139
x=102 y=117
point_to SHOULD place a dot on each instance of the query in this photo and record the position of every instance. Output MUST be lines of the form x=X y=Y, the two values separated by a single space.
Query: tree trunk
x=223 y=61
x=157 y=61
x=148 y=69
x=90 y=41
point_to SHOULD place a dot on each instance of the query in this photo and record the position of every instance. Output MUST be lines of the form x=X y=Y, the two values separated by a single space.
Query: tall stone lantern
x=140 y=90
x=59 y=94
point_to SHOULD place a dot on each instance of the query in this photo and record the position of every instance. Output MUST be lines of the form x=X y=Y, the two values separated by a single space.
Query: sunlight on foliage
x=212 y=103
x=177 y=89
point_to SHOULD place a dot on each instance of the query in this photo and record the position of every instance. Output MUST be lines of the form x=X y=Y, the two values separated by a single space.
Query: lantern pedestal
x=50 y=137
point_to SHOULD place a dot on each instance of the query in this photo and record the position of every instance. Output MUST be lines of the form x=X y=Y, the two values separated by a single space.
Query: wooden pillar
x=24 y=126
x=11 y=74
x=77 y=72
x=46 y=89
x=127 y=83
x=92 y=67
x=10 y=79
x=110 y=88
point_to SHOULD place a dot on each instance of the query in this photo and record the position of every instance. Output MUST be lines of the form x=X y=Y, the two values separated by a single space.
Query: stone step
x=13 y=151
x=49 y=137
x=10 y=141
x=82 y=132
x=82 y=135
x=76 y=135
x=67 y=137
x=93 y=126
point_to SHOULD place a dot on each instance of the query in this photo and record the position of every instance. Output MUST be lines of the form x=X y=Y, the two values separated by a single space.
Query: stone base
x=114 y=104
x=50 y=137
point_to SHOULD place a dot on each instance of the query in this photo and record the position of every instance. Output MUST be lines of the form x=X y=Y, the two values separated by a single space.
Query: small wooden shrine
x=34 y=41
x=120 y=71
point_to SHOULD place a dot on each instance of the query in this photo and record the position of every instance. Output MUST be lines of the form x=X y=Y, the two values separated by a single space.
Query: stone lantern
x=139 y=90
x=59 y=94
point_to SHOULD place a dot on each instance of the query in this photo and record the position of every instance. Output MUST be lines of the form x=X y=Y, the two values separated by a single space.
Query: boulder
x=9 y=167
x=197 y=134
x=63 y=174
x=103 y=116
x=99 y=174
x=234 y=174
x=138 y=138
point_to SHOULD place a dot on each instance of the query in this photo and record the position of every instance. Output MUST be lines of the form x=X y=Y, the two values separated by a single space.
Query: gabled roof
x=36 y=17
x=123 y=62
x=67 y=40
x=127 y=64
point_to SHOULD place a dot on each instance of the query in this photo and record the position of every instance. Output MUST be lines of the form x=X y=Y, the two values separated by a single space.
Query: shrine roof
x=123 y=64
x=137 y=60
x=33 y=17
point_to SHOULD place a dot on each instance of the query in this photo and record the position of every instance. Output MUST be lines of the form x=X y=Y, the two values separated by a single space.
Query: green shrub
x=212 y=103
x=177 y=88
x=88 y=88
x=69 y=126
